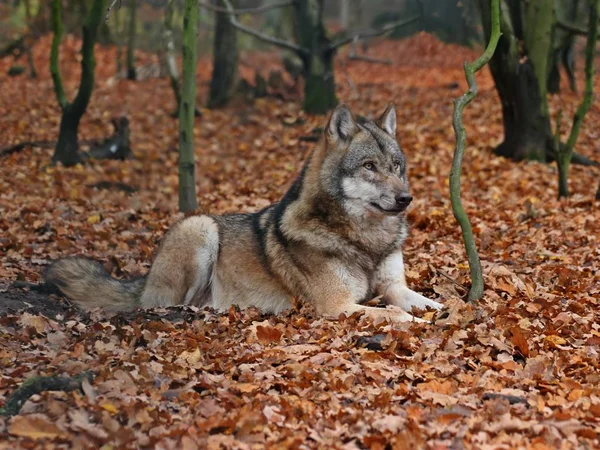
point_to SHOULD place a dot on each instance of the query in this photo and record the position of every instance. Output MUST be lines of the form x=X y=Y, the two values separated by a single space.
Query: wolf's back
x=88 y=284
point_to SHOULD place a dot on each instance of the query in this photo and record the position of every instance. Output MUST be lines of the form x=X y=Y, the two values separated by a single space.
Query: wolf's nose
x=403 y=200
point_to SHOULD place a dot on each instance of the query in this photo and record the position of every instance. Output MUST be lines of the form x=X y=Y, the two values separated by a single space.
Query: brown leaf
x=35 y=426
x=267 y=334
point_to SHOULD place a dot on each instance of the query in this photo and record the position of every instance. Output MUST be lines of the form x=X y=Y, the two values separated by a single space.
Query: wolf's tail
x=88 y=284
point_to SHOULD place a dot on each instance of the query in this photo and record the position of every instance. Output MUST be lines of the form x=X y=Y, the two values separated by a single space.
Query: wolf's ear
x=387 y=121
x=342 y=125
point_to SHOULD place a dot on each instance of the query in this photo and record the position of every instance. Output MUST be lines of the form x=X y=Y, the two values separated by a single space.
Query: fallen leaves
x=34 y=426
x=518 y=370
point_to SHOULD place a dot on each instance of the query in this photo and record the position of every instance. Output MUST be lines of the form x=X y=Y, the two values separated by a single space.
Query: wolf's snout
x=403 y=200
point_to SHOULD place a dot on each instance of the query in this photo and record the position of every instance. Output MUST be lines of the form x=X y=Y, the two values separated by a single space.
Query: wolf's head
x=364 y=166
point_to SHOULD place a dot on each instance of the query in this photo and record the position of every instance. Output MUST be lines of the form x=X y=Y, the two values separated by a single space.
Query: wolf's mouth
x=391 y=211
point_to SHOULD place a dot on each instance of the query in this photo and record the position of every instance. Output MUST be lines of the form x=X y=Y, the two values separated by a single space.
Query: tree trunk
x=540 y=17
x=564 y=154
x=67 y=149
x=319 y=86
x=131 y=75
x=527 y=129
x=170 y=52
x=563 y=47
x=119 y=40
x=345 y=14
x=187 y=184
x=225 y=61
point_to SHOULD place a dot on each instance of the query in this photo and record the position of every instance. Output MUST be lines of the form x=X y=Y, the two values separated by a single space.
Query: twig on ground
x=37 y=385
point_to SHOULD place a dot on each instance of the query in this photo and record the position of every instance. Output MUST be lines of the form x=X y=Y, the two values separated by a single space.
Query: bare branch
x=571 y=28
x=262 y=36
x=257 y=10
x=356 y=57
x=371 y=33
x=110 y=7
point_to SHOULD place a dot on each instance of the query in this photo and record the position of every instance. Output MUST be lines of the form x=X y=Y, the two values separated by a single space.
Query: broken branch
x=372 y=33
x=37 y=385
x=259 y=35
x=256 y=10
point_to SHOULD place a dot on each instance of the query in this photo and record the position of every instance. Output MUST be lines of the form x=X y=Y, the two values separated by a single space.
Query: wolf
x=334 y=240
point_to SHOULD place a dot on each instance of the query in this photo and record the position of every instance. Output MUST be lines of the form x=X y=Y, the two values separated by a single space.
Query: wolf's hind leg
x=184 y=265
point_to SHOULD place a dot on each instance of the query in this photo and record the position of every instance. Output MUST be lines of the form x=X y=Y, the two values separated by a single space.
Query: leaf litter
x=518 y=370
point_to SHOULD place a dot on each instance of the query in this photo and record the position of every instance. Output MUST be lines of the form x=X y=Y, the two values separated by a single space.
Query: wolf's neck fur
x=312 y=208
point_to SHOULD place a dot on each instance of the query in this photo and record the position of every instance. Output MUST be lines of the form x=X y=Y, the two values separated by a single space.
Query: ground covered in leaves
x=518 y=370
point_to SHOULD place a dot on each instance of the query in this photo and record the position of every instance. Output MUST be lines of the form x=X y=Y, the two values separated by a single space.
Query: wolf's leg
x=334 y=292
x=392 y=314
x=391 y=283
x=184 y=264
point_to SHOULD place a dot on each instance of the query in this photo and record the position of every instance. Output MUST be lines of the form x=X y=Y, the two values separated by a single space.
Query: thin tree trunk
x=170 y=52
x=540 y=17
x=345 y=14
x=225 y=61
x=187 y=184
x=565 y=153
x=119 y=38
x=30 y=41
x=319 y=86
x=476 y=291
x=67 y=149
x=131 y=75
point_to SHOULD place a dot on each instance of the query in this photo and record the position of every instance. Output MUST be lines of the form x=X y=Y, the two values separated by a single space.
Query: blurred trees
x=225 y=59
x=563 y=45
x=312 y=45
x=131 y=35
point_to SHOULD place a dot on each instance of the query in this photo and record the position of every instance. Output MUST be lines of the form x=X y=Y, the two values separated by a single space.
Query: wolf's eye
x=369 y=166
x=396 y=166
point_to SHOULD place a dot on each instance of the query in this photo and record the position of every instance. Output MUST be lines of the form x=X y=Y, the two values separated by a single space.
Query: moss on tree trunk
x=225 y=61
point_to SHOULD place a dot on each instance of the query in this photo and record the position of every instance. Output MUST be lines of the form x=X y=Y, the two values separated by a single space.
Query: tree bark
x=319 y=86
x=540 y=17
x=67 y=148
x=187 y=184
x=131 y=75
x=527 y=129
x=225 y=60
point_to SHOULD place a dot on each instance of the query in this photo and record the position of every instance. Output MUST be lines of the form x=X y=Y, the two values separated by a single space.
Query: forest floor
x=518 y=370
